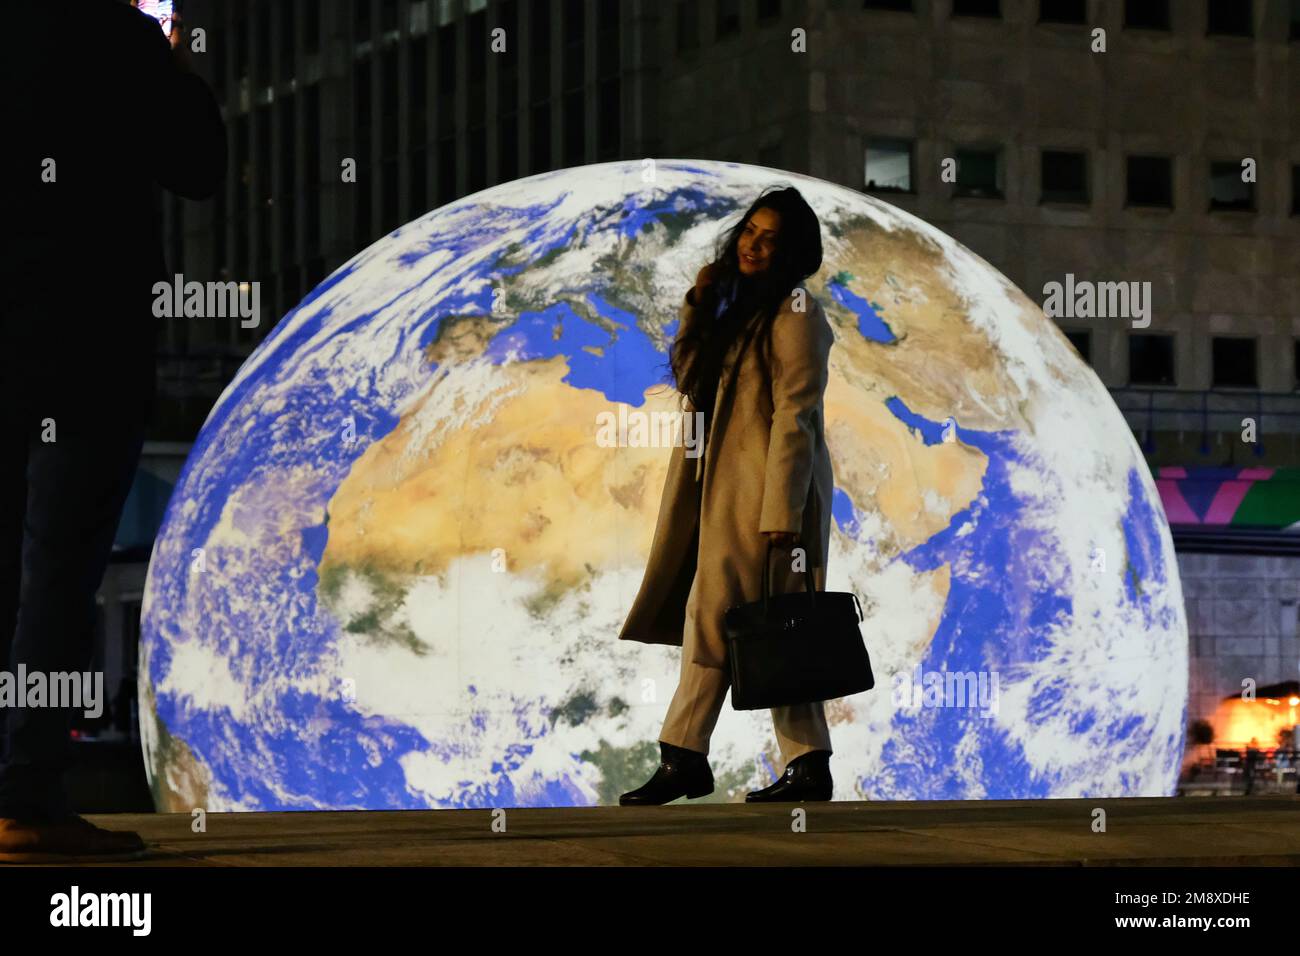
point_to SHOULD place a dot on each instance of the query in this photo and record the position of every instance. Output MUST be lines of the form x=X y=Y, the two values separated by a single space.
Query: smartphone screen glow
x=160 y=10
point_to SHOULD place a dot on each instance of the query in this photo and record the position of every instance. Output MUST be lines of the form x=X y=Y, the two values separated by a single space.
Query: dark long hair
x=696 y=358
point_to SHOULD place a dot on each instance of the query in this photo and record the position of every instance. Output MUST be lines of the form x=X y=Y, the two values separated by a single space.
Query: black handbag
x=795 y=648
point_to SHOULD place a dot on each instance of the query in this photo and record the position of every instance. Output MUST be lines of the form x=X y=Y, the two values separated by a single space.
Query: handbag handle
x=767 y=579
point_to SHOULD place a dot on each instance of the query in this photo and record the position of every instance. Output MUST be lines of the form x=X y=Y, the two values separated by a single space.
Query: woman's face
x=757 y=241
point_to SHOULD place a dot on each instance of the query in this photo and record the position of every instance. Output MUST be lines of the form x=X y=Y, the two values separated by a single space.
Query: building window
x=1065 y=176
x=243 y=169
x=508 y=95
x=902 y=6
x=311 y=29
x=265 y=187
x=728 y=18
x=688 y=25
x=1081 y=339
x=608 y=36
x=888 y=165
x=1232 y=18
x=1063 y=11
x=241 y=49
x=476 y=103
x=1150 y=181
x=979 y=173
x=1227 y=191
x=447 y=61
x=1233 y=360
x=315 y=272
x=417 y=170
x=445 y=157
x=1295 y=362
x=288 y=294
x=288 y=185
x=388 y=17
x=446 y=115
x=389 y=90
x=418 y=85
x=540 y=138
x=572 y=66
x=476 y=40
x=446 y=169
x=262 y=41
x=539 y=52
x=476 y=173
x=976 y=8
x=609 y=112
x=311 y=205
x=390 y=212
x=574 y=80
x=1295 y=190
x=1146 y=14
x=1150 y=359
x=361 y=132
x=361 y=20
x=575 y=129
x=609 y=106
x=768 y=10
x=539 y=87
x=418 y=23
x=287 y=40
x=1294 y=33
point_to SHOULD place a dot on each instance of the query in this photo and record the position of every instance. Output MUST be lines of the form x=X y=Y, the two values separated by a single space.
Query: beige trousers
x=697 y=702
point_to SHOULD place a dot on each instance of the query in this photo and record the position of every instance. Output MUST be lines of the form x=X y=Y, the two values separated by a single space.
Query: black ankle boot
x=807 y=777
x=681 y=773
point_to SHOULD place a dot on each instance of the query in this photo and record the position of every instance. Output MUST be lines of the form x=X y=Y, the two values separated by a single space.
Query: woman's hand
x=180 y=50
x=782 y=539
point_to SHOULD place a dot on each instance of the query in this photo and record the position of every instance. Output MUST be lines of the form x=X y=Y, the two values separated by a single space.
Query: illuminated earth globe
x=393 y=570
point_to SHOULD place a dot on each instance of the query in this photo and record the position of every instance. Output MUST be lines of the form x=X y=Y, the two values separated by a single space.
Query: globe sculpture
x=393 y=569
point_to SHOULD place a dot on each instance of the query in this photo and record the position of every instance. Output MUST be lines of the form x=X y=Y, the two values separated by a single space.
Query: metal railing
x=1244 y=772
x=1206 y=412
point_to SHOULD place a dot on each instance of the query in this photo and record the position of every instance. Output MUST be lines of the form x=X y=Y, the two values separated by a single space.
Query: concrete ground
x=1218 y=831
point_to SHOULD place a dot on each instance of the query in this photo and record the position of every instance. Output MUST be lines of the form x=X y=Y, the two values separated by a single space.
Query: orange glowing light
x=1238 y=721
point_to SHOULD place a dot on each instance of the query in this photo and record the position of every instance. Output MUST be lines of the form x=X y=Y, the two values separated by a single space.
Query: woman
x=751 y=355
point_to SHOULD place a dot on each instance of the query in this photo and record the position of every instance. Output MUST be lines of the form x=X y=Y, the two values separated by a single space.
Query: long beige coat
x=764 y=467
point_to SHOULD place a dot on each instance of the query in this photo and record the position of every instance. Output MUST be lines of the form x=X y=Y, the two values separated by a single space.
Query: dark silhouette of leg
x=61 y=501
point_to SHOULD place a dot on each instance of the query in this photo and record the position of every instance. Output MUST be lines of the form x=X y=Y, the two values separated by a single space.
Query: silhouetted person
x=1252 y=763
x=1295 y=753
x=99 y=111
